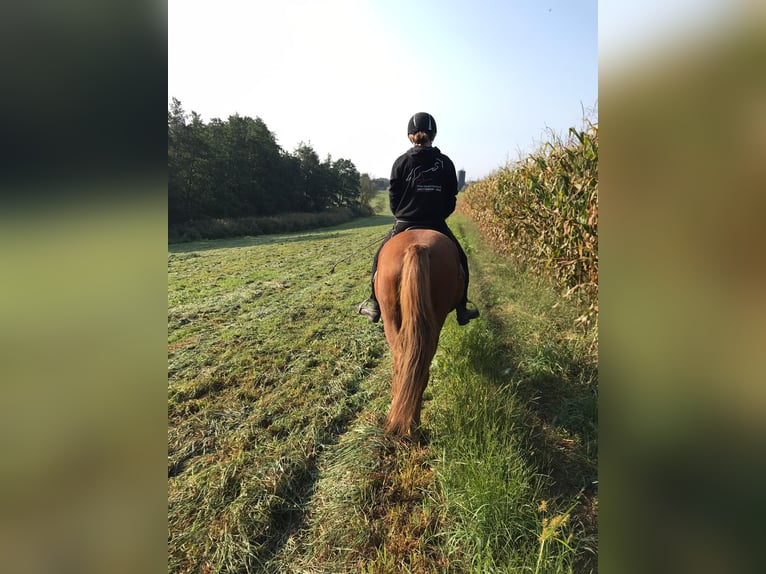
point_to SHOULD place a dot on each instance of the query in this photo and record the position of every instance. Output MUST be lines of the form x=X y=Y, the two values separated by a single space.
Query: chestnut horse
x=418 y=282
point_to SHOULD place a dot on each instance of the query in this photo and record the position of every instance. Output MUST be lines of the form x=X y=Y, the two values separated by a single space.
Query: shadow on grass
x=289 y=516
x=561 y=411
x=557 y=387
x=559 y=414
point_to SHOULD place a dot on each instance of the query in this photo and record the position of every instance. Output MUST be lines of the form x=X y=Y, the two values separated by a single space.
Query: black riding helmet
x=422 y=122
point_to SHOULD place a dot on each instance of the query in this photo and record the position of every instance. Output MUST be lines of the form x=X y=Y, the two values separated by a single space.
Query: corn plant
x=543 y=212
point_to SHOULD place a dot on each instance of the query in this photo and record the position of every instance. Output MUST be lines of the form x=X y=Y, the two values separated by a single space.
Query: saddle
x=432 y=225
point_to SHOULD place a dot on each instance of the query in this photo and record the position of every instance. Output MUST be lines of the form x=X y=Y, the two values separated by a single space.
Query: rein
x=332 y=269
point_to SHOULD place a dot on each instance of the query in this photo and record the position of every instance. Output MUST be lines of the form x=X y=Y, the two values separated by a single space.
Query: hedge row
x=285 y=223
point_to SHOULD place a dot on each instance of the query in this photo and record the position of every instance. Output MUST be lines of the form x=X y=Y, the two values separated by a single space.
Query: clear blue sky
x=346 y=75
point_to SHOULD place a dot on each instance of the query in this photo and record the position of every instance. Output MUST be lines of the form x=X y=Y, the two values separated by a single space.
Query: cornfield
x=542 y=211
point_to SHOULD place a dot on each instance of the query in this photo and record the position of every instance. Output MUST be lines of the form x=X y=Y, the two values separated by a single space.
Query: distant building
x=460 y=179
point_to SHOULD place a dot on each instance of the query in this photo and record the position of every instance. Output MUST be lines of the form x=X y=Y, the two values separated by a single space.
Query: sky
x=346 y=75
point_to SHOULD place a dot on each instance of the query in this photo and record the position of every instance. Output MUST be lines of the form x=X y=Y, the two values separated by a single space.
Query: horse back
x=446 y=274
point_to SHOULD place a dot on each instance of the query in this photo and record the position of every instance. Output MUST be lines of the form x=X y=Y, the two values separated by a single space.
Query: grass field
x=276 y=395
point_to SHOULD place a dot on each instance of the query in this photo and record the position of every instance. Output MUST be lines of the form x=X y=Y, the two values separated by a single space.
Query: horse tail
x=417 y=340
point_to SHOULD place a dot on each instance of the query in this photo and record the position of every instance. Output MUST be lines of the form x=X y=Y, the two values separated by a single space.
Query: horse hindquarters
x=416 y=341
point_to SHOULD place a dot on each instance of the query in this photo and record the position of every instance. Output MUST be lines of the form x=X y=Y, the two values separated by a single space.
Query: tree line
x=236 y=168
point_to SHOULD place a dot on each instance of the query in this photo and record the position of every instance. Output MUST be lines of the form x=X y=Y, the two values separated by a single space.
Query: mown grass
x=266 y=367
x=277 y=390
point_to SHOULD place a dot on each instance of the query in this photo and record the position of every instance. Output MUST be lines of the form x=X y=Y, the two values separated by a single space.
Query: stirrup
x=464 y=314
x=370 y=310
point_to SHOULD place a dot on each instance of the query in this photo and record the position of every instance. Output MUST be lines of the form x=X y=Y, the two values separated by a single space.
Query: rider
x=422 y=193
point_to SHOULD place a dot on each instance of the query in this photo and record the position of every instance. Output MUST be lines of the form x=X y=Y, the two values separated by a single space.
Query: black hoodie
x=423 y=186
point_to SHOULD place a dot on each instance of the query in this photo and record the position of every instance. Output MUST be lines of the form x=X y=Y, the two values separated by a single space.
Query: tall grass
x=514 y=390
x=485 y=483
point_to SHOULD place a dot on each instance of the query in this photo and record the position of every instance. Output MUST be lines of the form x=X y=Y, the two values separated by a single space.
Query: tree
x=347 y=180
x=313 y=179
x=366 y=190
x=188 y=165
x=236 y=168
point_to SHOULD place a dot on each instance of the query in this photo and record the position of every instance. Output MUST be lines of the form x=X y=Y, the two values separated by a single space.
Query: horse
x=419 y=280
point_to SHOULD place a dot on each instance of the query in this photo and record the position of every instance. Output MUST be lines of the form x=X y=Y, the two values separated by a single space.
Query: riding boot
x=370 y=309
x=464 y=315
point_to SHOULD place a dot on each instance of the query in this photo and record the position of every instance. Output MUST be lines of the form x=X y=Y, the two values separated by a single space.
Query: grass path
x=276 y=392
x=266 y=368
